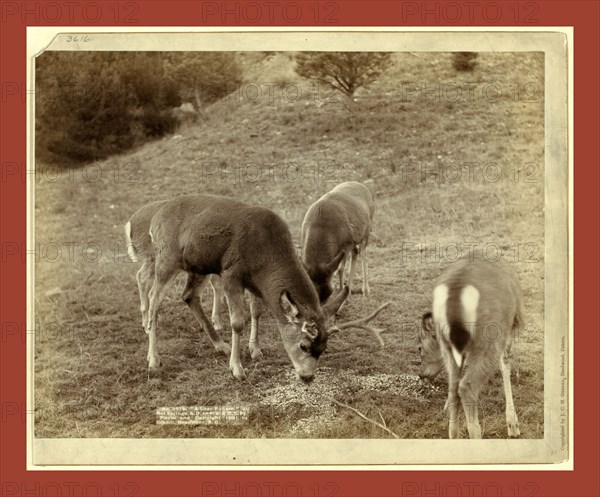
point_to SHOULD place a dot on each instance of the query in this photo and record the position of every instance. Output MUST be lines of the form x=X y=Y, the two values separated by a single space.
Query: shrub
x=90 y=105
x=343 y=71
x=205 y=77
x=464 y=61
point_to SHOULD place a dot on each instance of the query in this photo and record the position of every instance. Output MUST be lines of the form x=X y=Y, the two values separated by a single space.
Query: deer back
x=477 y=304
x=339 y=220
x=137 y=231
x=210 y=234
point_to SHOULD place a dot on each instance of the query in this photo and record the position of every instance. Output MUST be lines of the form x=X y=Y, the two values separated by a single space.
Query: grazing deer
x=477 y=306
x=250 y=248
x=336 y=227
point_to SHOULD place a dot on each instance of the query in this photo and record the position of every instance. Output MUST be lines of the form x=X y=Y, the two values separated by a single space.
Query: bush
x=345 y=72
x=205 y=77
x=158 y=123
x=90 y=105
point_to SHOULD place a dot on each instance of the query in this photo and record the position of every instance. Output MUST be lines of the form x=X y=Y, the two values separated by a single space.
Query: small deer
x=251 y=249
x=477 y=306
x=336 y=227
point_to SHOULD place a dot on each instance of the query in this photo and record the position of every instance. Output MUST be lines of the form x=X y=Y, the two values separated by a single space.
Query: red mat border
x=15 y=480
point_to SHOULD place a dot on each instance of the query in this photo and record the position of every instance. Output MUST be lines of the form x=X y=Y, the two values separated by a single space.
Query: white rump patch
x=469 y=299
x=130 y=249
x=458 y=358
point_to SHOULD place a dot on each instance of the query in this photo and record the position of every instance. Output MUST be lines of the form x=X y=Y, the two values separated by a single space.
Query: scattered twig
x=262 y=392
x=252 y=372
x=118 y=382
x=365 y=417
x=381 y=416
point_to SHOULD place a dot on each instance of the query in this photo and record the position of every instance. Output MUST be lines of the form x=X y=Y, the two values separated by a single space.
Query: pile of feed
x=319 y=401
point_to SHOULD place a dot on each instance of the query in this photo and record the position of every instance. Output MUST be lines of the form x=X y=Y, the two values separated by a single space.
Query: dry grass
x=90 y=361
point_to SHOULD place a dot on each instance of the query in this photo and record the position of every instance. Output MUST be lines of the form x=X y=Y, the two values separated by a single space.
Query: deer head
x=305 y=336
x=429 y=349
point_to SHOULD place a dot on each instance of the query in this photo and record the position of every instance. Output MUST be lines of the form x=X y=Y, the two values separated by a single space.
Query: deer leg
x=235 y=300
x=469 y=395
x=149 y=283
x=256 y=309
x=365 y=269
x=144 y=279
x=476 y=375
x=512 y=422
x=218 y=295
x=192 y=297
x=354 y=257
x=341 y=270
x=162 y=278
x=453 y=401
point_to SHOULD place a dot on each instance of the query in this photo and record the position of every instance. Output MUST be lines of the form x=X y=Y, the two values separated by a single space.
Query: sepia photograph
x=251 y=242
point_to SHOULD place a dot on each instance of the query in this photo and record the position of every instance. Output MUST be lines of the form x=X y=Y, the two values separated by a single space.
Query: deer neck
x=320 y=247
x=288 y=276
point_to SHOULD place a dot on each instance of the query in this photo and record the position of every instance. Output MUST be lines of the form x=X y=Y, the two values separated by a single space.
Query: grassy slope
x=90 y=362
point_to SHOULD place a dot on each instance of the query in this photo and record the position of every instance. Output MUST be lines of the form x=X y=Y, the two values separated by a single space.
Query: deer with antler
x=337 y=227
x=251 y=248
x=477 y=306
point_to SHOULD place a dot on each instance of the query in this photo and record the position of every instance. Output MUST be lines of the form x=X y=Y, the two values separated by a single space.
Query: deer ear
x=335 y=263
x=427 y=322
x=335 y=302
x=287 y=306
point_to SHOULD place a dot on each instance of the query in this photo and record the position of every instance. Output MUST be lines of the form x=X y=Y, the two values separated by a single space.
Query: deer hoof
x=223 y=348
x=513 y=430
x=153 y=364
x=256 y=354
x=239 y=373
x=236 y=368
x=453 y=430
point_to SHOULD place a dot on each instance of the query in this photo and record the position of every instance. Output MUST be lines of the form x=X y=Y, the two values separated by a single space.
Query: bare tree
x=343 y=71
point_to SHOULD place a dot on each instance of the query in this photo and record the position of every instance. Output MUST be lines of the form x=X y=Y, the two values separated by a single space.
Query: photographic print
x=299 y=248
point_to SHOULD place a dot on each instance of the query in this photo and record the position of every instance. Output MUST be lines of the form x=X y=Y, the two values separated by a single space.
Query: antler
x=363 y=324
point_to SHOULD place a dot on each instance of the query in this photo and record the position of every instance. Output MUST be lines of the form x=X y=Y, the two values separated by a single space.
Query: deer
x=249 y=248
x=477 y=308
x=337 y=228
